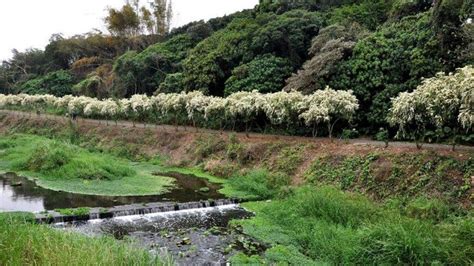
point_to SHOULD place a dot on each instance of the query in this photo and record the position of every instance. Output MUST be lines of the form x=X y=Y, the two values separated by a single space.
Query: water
x=192 y=237
x=30 y=197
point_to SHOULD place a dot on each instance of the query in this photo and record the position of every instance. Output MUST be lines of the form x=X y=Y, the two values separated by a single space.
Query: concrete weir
x=50 y=217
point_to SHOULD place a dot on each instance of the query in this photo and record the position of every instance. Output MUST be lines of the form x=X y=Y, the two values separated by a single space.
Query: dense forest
x=377 y=49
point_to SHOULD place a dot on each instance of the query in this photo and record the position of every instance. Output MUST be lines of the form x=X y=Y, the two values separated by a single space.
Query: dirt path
x=253 y=137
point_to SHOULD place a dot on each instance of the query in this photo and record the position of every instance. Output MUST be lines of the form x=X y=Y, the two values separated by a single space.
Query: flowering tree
x=196 y=106
x=217 y=110
x=282 y=107
x=245 y=106
x=328 y=106
x=140 y=106
x=175 y=104
x=444 y=104
x=109 y=109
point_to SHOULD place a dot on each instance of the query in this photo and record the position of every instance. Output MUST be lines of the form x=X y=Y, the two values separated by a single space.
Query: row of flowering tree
x=323 y=109
x=441 y=106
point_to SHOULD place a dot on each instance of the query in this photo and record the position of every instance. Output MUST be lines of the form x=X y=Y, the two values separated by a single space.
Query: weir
x=50 y=217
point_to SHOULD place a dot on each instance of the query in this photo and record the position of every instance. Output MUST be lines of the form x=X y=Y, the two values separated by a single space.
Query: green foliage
x=384 y=176
x=58 y=83
x=382 y=135
x=349 y=134
x=368 y=13
x=329 y=226
x=257 y=184
x=61 y=166
x=59 y=160
x=265 y=74
x=287 y=160
x=447 y=19
x=401 y=241
x=173 y=83
x=391 y=60
x=211 y=62
x=424 y=208
x=23 y=242
x=144 y=72
x=401 y=8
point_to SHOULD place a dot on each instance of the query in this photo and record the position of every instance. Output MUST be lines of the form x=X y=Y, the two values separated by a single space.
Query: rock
x=185 y=241
x=204 y=190
x=17 y=184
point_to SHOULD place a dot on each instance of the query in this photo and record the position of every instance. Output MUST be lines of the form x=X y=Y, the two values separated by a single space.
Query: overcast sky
x=30 y=23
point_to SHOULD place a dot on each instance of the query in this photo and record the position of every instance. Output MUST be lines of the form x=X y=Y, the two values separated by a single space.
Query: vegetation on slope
x=60 y=166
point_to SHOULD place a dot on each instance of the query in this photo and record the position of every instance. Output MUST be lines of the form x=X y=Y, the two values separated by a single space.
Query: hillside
x=377 y=49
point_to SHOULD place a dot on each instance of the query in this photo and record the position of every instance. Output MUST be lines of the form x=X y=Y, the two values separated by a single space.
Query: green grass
x=325 y=225
x=25 y=243
x=257 y=184
x=61 y=166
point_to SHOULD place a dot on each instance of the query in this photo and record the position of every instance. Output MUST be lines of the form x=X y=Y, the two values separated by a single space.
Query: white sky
x=30 y=23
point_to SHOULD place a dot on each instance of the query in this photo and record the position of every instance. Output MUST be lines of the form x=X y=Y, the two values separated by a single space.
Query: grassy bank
x=25 y=243
x=62 y=166
x=325 y=225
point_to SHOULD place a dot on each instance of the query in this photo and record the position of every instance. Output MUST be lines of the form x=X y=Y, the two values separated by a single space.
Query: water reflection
x=30 y=197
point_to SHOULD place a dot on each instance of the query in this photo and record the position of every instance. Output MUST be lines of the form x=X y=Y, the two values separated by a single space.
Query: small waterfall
x=201 y=217
x=136 y=210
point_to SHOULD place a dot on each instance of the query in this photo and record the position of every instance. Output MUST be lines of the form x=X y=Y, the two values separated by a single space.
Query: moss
x=74 y=212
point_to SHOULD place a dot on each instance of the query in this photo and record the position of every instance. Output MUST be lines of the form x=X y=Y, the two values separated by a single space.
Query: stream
x=200 y=236
x=20 y=194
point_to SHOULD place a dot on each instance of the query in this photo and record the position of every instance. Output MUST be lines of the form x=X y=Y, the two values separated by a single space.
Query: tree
x=266 y=73
x=58 y=83
x=163 y=12
x=443 y=104
x=123 y=22
x=391 y=60
x=332 y=45
x=245 y=106
x=328 y=106
x=209 y=65
x=283 y=107
x=145 y=71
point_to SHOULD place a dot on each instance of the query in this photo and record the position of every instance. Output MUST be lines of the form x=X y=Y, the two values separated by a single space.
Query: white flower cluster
x=441 y=101
x=328 y=106
x=280 y=108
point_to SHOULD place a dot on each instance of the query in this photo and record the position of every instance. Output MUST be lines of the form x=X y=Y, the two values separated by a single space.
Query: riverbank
x=378 y=172
x=315 y=201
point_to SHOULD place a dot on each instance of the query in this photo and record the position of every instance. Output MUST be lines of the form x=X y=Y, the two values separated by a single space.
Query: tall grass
x=62 y=160
x=25 y=243
x=60 y=165
x=257 y=184
x=327 y=225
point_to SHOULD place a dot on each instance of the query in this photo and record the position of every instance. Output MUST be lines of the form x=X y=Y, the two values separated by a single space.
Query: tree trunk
x=247 y=129
x=331 y=128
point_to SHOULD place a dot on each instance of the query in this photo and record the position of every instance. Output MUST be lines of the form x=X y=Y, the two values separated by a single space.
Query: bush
x=58 y=83
x=266 y=74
